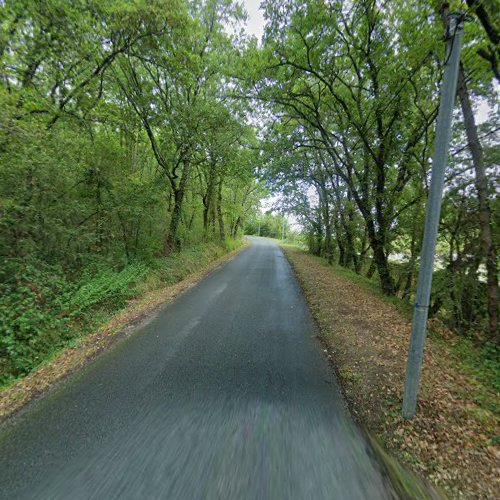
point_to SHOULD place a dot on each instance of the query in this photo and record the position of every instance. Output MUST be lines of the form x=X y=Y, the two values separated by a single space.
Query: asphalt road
x=224 y=394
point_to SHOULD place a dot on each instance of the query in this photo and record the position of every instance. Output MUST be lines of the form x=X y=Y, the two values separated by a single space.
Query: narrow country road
x=224 y=394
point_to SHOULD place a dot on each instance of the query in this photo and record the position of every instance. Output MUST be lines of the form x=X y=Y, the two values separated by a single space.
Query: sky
x=255 y=22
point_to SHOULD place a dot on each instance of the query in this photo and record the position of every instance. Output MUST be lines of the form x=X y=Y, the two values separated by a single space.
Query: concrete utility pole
x=433 y=211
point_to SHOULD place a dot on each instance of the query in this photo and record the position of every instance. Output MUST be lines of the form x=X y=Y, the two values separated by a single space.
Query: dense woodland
x=134 y=130
x=119 y=145
x=354 y=94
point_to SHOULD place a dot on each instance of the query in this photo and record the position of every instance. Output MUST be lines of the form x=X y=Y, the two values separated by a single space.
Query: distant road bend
x=224 y=394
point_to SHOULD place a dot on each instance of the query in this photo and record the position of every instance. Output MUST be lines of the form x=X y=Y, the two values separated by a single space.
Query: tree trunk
x=380 y=260
x=328 y=231
x=220 y=218
x=384 y=273
x=325 y=209
x=208 y=197
x=350 y=257
x=172 y=242
x=341 y=260
x=371 y=269
x=376 y=235
x=237 y=226
x=487 y=244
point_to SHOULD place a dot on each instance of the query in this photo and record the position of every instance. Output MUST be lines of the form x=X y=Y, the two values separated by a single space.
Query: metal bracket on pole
x=432 y=216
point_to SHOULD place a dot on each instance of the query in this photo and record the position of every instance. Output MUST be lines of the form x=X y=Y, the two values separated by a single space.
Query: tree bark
x=220 y=218
x=236 y=226
x=380 y=260
x=208 y=197
x=481 y=182
x=328 y=229
x=371 y=269
x=172 y=242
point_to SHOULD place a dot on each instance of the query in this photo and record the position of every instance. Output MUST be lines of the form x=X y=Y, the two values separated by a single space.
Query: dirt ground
x=453 y=440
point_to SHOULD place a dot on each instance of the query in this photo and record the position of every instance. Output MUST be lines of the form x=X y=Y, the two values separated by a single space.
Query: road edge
x=19 y=396
x=405 y=482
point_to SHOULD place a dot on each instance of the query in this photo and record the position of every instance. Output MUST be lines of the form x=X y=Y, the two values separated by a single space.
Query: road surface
x=224 y=394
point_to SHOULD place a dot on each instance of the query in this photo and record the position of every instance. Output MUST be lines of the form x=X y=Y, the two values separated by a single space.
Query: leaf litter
x=453 y=440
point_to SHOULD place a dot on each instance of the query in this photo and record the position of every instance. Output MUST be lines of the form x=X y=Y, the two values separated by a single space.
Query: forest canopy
x=354 y=101
x=119 y=144
x=132 y=130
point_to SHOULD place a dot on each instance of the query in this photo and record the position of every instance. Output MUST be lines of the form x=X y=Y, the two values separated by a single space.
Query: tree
x=352 y=101
x=339 y=75
x=112 y=115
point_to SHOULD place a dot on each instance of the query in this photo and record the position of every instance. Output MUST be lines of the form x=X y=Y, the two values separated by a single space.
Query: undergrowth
x=481 y=362
x=44 y=309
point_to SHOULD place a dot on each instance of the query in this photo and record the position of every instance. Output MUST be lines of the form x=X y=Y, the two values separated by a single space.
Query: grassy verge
x=453 y=441
x=102 y=322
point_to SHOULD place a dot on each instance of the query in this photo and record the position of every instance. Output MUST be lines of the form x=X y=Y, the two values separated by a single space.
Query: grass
x=80 y=349
x=481 y=364
x=42 y=312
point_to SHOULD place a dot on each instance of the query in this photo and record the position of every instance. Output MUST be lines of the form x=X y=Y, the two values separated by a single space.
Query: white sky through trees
x=255 y=21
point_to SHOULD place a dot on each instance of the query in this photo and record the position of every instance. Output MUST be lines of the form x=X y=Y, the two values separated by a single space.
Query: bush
x=42 y=309
x=110 y=288
x=32 y=301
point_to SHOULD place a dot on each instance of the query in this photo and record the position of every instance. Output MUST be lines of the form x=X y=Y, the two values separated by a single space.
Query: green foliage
x=482 y=363
x=351 y=153
x=118 y=149
x=41 y=310
x=231 y=244
x=296 y=238
x=268 y=225
x=107 y=287
x=124 y=138
x=33 y=300
x=460 y=299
